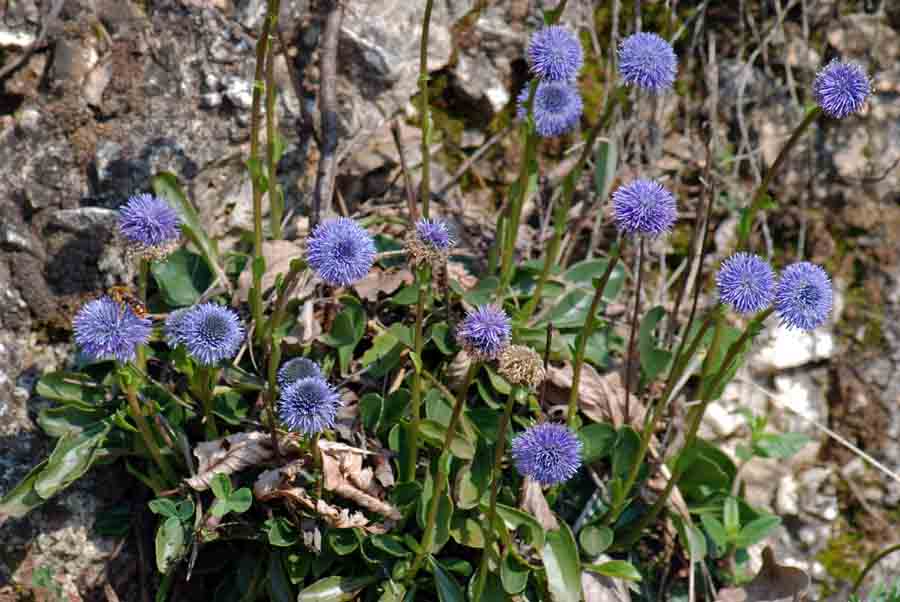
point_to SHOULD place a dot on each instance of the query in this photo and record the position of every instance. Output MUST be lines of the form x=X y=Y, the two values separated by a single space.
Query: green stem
x=441 y=477
x=871 y=564
x=146 y=434
x=272 y=391
x=412 y=443
x=207 y=384
x=143 y=278
x=276 y=206
x=496 y=477
x=634 y=326
x=561 y=212
x=581 y=342
x=425 y=185
x=763 y=188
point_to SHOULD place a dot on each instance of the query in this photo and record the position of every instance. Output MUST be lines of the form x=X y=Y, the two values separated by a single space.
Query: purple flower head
x=297 y=368
x=309 y=405
x=555 y=54
x=106 y=329
x=174 y=327
x=644 y=207
x=841 y=88
x=435 y=234
x=485 y=332
x=746 y=283
x=803 y=296
x=646 y=60
x=340 y=251
x=557 y=107
x=548 y=453
x=210 y=333
x=149 y=222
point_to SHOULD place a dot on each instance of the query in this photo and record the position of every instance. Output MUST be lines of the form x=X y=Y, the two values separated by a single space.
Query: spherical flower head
x=174 y=327
x=150 y=225
x=557 y=107
x=309 y=405
x=648 y=61
x=555 y=54
x=841 y=89
x=106 y=329
x=485 y=332
x=297 y=368
x=548 y=453
x=429 y=242
x=211 y=333
x=803 y=296
x=746 y=283
x=340 y=251
x=521 y=366
x=644 y=208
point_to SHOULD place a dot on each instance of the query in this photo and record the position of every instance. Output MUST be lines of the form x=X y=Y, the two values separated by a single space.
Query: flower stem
x=276 y=204
x=441 y=477
x=425 y=185
x=496 y=477
x=137 y=414
x=634 y=325
x=272 y=390
x=412 y=440
x=871 y=564
x=587 y=331
x=207 y=383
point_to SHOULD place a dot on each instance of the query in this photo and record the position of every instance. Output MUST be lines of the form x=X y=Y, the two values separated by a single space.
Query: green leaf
x=468 y=492
x=347 y=331
x=164 y=507
x=382 y=346
x=390 y=545
x=715 y=529
x=71 y=388
x=447 y=587
x=434 y=434
x=513 y=575
x=732 y=517
x=560 y=556
x=371 y=406
x=443 y=339
x=466 y=531
x=392 y=591
x=617 y=569
x=653 y=359
x=756 y=530
x=628 y=443
x=597 y=440
x=169 y=544
x=595 y=539
x=605 y=160
x=335 y=589
x=22 y=498
x=182 y=277
x=445 y=506
x=221 y=486
x=64 y=420
x=515 y=518
x=783 y=446
x=342 y=541
x=71 y=458
x=240 y=501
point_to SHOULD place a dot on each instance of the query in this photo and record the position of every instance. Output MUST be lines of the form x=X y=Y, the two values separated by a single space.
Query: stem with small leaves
x=150 y=443
x=208 y=377
x=629 y=353
x=425 y=185
x=412 y=443
x=276 y=204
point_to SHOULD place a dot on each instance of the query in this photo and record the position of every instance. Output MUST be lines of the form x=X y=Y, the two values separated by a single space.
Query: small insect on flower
x=150 y=226
x=648 y=61
x=746 y=282
x=309 y=405
x=485 y=332
x=211 y=333
x=841 y=89
x=340 y=251
x=429 y=242
x=548 y=453
x=557 y=107
x=803 y=296
x=644 y=208
x=297 y=368
x=126 y=297
x=106 y=329
x=555 y=54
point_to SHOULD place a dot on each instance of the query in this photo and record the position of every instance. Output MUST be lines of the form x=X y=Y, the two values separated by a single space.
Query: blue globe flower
x=644 y=208
x=210 y=333
x=174 y=327
x=435 y=234
x=340 y=251
x=557 y=107
x=746 y=283
x=309 y=405
x=548 y=453
x=297 y=368
x=149 y=223
x=106 y=329
x=841 y=89
x=485 y=332
x=555 y=54
x=648 y=61
x=803 y=296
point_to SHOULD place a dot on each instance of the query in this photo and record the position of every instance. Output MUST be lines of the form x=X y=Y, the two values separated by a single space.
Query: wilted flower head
x=210 y=333
x=841 y=88
x=648 y=61
x=557 y=107
x=297 y=368
x=485 y=332
x=522 y=366
x=644 y=207
x=803 y=296
x=150 y=225
x=105 y=328
x=340 y=251
x=309 y=405
x=430 y=242
x=746 y=282
x=555 y=53
x=548 y=453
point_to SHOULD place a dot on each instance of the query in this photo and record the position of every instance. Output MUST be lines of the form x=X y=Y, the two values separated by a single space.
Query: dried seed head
x=522 y=365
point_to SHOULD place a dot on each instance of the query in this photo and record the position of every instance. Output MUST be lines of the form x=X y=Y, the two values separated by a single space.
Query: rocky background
x=98 y=95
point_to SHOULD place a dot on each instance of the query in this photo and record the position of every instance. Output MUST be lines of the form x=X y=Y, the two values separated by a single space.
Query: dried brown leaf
x=382 y=281
x=278 y=255
x=458 y=273
x=773 y=583
x=229 y=455
x=601 y=398
x=535 y=504
x=344 y=475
